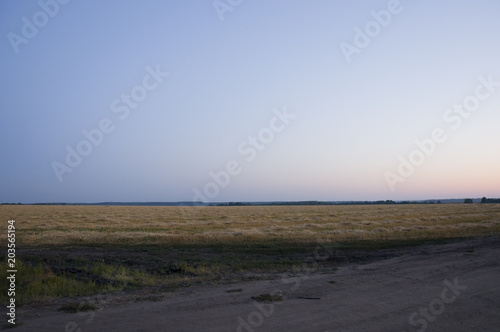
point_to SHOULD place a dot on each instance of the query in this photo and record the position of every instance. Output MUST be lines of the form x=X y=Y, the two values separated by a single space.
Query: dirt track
x=451 y=287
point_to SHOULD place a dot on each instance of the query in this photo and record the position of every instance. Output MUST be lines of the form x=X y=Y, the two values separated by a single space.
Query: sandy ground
x=450 y=287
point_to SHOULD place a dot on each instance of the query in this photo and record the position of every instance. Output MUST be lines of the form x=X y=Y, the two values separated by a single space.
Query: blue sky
x=353 y=118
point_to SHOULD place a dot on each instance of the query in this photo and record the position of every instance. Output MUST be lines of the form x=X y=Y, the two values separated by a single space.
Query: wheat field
x=69 y=251
x=45 y=225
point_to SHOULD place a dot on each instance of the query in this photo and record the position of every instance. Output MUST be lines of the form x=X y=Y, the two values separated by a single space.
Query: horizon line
x=188 y=203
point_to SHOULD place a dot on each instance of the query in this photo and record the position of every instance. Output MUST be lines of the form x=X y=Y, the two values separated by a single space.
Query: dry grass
x=136 y=225
x=68 y=251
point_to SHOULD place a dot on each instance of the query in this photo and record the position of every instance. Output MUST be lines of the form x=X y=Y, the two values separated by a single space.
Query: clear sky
x=238 y=100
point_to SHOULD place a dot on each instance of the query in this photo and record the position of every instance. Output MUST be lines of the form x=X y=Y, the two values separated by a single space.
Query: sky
x=237 y=100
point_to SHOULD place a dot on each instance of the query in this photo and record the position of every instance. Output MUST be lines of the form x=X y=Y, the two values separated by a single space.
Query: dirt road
x=450 y=287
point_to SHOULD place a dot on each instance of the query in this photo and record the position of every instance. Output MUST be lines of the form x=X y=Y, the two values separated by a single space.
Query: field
x=71 y=251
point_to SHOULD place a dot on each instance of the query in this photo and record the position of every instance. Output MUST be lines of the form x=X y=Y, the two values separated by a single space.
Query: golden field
x=68 y=251
x=45 y=225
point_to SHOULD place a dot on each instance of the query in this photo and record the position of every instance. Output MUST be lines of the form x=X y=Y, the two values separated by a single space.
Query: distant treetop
x=490 y=200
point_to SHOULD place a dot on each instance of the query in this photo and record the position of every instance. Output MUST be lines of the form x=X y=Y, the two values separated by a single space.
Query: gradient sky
x=226 y=80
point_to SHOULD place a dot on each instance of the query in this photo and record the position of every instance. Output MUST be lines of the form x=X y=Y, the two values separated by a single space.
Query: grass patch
x=268 y=298
x=236 y=290
x=153 y=298
x=40 y=283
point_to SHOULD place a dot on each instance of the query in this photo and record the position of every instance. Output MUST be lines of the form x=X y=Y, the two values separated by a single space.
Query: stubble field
x=71 y=251
x=139 y=225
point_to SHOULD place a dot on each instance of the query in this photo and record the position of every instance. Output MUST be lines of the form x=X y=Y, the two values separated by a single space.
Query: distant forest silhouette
x=490 y=200
x=484 y=200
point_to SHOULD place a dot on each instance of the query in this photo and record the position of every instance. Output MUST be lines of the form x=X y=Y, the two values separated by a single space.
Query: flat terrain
x=197 y=268
x=141 y=225
x=381 y=295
